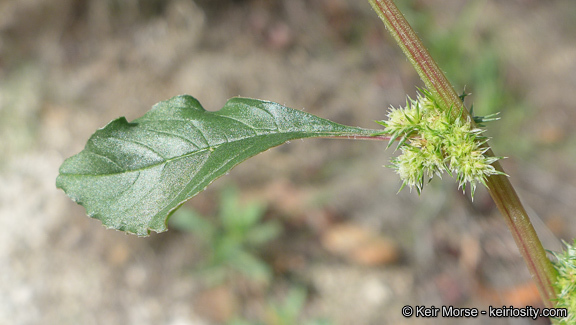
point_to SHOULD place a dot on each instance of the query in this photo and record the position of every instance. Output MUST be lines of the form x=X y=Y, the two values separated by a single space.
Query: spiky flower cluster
x=432 y=141
x=566 y=283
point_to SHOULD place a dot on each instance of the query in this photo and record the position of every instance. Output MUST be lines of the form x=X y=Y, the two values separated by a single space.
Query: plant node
x=433 y=141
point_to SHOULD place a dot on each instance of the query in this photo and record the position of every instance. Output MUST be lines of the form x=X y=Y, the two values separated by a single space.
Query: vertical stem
x=499 y=186
x=543 y=272
x=412 y=46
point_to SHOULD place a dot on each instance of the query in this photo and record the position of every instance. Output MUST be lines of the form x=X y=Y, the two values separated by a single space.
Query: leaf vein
x=242 y=122
x=274 y=117
x=140 y=144
x=171 y=134
x=90 y=150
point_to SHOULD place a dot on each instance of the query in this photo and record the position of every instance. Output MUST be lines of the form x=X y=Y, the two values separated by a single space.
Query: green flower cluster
x=432 y=141
x=566 y=283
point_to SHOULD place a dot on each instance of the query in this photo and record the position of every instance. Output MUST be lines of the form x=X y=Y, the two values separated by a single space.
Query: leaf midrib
x=201 y=150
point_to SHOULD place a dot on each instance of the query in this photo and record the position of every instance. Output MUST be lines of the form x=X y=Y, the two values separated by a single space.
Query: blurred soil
x=362 y=251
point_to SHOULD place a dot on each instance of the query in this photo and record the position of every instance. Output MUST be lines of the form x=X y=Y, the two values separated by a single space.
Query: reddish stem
x=500 y=188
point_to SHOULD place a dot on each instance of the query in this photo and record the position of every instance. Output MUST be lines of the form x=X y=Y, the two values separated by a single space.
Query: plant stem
x=382 y=137
x=499 y=186
x=543 y=272
x=417 y=54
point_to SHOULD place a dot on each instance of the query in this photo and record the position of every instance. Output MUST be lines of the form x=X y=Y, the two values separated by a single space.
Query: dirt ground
x=67 y=67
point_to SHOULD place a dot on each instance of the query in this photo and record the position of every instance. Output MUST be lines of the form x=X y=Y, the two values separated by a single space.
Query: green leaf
x=133 y=175
x=251 y=266
x=238 y=217
x=263 y=233
x=190 y=221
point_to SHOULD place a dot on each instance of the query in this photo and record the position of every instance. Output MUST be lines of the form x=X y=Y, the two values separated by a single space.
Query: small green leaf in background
x=288 y=311
x=231 y=240
x=133 y=175
x=291 y=309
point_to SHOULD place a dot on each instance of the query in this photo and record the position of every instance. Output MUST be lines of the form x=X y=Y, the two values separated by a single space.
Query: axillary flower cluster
x=432 y=141
x=566 y=283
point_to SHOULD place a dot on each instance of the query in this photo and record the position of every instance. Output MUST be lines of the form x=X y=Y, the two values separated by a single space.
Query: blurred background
x=312 y=232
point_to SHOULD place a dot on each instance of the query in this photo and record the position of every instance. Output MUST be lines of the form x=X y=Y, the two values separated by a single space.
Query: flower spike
x=432 y=141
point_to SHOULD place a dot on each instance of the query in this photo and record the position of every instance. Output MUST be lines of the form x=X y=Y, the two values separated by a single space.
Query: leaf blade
x=133 y=175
